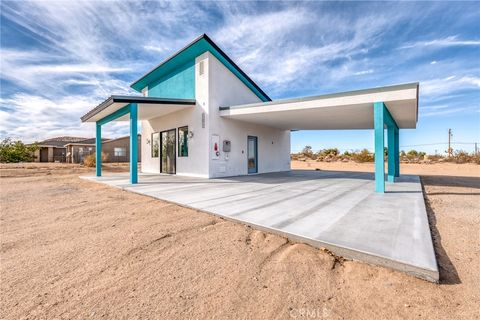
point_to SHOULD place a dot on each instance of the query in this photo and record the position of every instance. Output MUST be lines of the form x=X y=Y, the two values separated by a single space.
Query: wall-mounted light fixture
x=148 y=141
x=190 y=134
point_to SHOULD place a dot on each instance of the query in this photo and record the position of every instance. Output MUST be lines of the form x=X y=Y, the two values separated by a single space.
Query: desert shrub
x=331 y=151
x=90 y=161
x=363 y=156
x=460 y=156
x=412 y=156
x=328 y=155
x=16 y=151
x=307 y=152
x=435 y=157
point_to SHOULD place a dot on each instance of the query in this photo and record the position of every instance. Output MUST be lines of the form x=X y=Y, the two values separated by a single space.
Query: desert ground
x=71 y=248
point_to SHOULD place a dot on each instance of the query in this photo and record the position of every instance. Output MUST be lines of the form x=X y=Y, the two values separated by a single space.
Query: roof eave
x=127 y=99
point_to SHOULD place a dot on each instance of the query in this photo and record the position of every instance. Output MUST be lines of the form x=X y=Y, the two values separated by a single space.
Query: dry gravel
x=76 y=249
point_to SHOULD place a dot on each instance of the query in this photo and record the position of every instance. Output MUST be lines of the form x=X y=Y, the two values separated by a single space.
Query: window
x=119 y=152
x=201 y=68
x=155 y=144
x=183 y=142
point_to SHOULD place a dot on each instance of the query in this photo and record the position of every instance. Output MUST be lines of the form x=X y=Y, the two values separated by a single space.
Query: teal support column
x=98 y=150
x=378 y=124
x=393 y=153
x=133 y=143
x=397 y=152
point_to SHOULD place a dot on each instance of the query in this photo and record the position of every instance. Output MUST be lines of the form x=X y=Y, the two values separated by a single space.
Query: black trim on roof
x=132 y=99
x=214 y=45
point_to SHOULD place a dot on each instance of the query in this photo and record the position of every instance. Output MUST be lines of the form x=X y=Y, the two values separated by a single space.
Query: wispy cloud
x=50 y=118
x=445 y=86
x=451 y=41
x=59 y=59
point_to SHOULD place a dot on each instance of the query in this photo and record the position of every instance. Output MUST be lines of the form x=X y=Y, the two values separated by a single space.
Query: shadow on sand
x=448 y=272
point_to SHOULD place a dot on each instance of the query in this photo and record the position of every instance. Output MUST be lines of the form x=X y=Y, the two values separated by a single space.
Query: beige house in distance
x=117 y=150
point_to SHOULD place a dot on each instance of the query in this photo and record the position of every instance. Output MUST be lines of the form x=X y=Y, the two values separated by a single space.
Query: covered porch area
x=132 y=109
x=388 y=108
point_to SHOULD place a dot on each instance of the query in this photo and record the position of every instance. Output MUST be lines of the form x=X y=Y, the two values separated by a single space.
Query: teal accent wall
x=181 y=67
x=179 y=84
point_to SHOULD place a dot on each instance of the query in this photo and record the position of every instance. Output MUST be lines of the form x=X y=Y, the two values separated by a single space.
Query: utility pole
x=476 y=149
x=449 y=141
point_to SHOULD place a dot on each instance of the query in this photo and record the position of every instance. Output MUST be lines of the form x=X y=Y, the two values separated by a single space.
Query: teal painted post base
x=98 y=150
x=378 y=124
x=133 y=143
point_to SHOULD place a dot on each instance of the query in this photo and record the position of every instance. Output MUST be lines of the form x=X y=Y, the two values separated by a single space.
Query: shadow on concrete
x=447 y=270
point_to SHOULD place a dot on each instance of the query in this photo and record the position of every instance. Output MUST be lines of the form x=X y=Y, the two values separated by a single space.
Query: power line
x=436 y=144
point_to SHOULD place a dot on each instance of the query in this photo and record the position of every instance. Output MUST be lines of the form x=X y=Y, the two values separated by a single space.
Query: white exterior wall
x=196 y=164
x=217 y=87
x=273 y=144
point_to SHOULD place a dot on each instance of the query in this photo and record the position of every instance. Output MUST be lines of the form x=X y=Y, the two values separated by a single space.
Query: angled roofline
x=134 y=99
x=411 y=85
x=220 y=51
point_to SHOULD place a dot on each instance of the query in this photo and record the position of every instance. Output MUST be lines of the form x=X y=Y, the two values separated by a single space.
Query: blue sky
x=60 y=59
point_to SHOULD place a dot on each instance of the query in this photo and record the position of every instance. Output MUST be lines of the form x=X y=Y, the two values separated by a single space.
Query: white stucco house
x=202 y=116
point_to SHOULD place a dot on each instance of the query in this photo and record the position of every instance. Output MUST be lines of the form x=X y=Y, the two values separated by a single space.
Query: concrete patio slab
x=335 y=210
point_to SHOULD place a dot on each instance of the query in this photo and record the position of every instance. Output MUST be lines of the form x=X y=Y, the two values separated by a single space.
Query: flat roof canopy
x=339 y=111
x=148 y=108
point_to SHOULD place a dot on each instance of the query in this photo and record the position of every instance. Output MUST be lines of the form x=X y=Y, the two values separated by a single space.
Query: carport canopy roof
x=338 y=111
x=148 y=107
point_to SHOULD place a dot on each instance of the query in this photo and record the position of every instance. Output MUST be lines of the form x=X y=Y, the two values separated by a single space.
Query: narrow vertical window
x=155 y=144
x=201 y=68
x=183 y=142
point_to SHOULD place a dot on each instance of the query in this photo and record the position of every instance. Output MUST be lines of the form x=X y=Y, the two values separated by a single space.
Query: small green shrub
x=16 y=151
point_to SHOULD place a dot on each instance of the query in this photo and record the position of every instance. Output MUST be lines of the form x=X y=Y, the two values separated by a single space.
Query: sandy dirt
x=76 y=249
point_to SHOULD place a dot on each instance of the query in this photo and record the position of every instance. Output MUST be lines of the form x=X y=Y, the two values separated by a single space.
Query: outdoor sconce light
x=190 y=134
x=148 y=141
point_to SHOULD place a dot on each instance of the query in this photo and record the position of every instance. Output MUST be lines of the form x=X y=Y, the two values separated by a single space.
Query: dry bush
x=89 y=161
x=460 y=156
x=362 y=156
x=307 y=153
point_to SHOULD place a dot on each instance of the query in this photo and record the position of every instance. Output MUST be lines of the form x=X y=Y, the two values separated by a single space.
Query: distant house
x=116 y=150
x=77 y=151
x=54 y=150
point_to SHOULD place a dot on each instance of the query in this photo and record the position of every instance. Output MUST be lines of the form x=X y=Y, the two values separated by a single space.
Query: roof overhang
x=148 y=107
x=339 y=111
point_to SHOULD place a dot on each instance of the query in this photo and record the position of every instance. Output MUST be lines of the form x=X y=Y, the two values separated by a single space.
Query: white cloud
x=87 y=50
x=451 y=41
x=34 y=118
x=277 y=50
x=445 y=86
x=363 y=72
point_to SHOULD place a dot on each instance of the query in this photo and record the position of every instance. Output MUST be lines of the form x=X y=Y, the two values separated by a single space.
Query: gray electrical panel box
x=226 y=146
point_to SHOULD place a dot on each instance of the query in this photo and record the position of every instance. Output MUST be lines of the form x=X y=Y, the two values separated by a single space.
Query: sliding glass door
x=167 y=151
